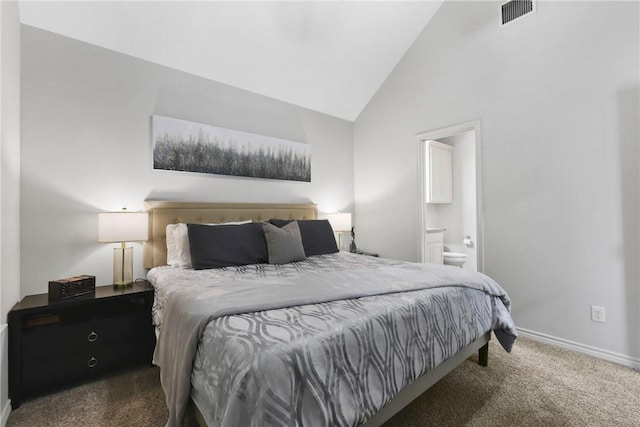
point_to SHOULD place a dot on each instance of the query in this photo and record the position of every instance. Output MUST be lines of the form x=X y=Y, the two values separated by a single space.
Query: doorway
x=460 y=216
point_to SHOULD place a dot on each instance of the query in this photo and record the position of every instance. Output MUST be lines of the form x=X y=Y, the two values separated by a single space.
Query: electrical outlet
x=598 y=314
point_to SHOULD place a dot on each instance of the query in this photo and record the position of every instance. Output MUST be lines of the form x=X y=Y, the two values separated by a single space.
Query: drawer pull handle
x=92 y=362
x=92 y=337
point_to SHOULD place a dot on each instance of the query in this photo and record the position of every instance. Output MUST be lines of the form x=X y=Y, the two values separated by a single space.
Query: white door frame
x=422 y=220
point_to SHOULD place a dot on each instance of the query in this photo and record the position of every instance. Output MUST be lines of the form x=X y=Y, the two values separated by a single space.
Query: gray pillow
x=283 y=244
x=317 y=235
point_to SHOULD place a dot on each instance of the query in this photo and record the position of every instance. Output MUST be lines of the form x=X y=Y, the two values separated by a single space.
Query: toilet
x=454 y=258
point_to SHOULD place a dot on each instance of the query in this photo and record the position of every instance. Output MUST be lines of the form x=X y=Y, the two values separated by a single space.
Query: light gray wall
x=9 y=157
x=9 y=184
x=86 y=148
x=557 y=94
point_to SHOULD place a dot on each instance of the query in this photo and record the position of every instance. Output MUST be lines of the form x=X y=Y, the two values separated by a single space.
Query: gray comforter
x=189 y=311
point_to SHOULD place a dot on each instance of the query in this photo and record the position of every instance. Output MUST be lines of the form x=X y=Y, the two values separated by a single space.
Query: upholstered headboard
x=163 y=213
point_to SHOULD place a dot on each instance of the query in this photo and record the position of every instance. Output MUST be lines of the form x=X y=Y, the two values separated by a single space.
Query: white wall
x=10 y=157
x=86 y=148
x=9 y=182
x=557 y=94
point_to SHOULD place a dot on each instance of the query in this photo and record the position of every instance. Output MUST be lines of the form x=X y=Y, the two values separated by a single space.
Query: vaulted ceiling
x=328 y=56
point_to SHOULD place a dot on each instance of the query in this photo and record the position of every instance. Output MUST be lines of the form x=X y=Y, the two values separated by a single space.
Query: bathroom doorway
x=459 y=216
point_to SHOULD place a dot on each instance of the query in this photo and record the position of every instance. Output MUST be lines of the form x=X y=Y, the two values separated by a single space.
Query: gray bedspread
x=188 y=311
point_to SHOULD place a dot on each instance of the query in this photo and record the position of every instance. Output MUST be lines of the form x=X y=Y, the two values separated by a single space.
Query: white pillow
x=178 y=252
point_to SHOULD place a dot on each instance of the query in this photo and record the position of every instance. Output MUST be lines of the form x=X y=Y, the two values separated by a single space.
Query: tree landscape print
x=179 y=145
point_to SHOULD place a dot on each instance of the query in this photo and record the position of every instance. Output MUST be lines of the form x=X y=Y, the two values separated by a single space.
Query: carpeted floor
x=535 y=385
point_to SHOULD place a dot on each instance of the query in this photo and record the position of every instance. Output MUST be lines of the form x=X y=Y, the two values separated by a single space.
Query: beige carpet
x=535 y=385
x=132 y=398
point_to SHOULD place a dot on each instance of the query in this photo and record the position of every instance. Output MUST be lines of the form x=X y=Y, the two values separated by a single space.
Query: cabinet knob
x=92 y=362
x=92 y=336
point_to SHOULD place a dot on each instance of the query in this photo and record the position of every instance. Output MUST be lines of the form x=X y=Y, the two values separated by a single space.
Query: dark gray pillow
x=317 y=235
x=283 y=244
x=226 y=245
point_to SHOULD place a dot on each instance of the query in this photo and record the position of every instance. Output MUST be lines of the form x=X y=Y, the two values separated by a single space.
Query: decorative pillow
x=284 y=244
x=226 y=245
x=317 y=235
x=178 y=252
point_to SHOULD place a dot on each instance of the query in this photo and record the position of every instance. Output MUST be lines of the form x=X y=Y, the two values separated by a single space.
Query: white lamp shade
x=123 y=226
x=340 y=221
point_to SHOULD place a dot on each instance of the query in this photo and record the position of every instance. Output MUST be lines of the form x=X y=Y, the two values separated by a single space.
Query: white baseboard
x=609 y=356
x=6 y=411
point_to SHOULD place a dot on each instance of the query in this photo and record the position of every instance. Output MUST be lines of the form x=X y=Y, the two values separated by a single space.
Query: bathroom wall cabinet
x=434 y=246
x=440 y=175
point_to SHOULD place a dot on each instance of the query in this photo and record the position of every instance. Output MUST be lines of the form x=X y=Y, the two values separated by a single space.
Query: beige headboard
x=163 y=213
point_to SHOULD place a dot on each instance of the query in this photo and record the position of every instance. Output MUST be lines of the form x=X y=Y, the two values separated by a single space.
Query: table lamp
x=123 y=227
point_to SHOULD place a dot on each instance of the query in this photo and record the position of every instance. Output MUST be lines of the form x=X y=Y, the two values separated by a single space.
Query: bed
x=330 y=339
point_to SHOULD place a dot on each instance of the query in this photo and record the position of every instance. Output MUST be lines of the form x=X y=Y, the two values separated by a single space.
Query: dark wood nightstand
x=56 y=344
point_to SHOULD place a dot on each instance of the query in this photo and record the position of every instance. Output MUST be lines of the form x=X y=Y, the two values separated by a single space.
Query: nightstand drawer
x=49 y=340
x=73 y=367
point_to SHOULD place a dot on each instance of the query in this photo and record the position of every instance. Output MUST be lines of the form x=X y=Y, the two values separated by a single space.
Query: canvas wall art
x=180 y=145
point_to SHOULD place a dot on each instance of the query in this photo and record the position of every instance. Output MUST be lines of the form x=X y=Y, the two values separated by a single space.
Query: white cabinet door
x=440 y=174
x=434 y=247
x=435 y=254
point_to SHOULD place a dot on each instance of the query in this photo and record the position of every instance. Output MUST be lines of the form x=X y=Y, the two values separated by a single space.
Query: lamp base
x=122 y=267
x=123 y=285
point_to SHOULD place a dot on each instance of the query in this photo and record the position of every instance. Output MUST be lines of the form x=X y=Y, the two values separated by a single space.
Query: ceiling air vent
x=516 y=9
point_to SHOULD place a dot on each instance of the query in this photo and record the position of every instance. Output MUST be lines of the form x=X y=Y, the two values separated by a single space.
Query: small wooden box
x=71 y=287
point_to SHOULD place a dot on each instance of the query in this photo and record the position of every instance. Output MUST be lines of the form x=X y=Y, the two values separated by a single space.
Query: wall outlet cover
x=598 y=314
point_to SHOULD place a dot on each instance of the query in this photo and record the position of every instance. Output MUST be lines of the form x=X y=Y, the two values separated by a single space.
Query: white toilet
x=454 y=258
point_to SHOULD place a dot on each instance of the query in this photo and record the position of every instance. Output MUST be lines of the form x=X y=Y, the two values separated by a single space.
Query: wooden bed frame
x=162 y=213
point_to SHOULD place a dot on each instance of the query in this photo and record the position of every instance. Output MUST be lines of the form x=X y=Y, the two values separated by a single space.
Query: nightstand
x=57 y=344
